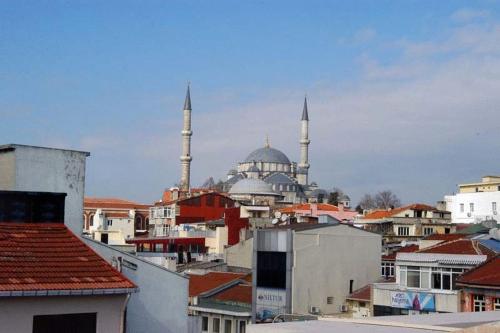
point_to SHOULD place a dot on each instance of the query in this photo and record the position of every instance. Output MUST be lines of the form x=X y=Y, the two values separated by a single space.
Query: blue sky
x=403 y=94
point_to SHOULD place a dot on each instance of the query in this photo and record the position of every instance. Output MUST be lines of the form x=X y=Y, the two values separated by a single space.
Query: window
x=329 y=300
x=428 y=231
x=243 y=325
x=75 y=323
x=443 y=278
x=403 y=231
x=479 y=303
x=388 y=269
x=271 y=269
x=216 y=325
x=471 y=205
x=204 y=324
x=494 y=207
x=110 y=222
x=496 y=304
x=413 y=277
x=227 y=326
x=462 y=208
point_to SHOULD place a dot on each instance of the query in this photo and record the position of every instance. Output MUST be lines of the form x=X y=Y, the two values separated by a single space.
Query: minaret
x=303 y=167
x=186 y=144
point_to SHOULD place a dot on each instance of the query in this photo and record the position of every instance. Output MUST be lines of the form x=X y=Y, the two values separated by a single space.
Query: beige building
x=311 y=268
x=487 y=184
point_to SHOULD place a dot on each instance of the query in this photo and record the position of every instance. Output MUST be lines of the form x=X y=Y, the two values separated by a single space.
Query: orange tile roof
x=444 y=237
x=48 y=256
x=199 y=284
x=486 y=274
x=90 y=202
x=307 y=206
x=361 y=294
x=460 y=246
x=380 y=214
x=241 y=293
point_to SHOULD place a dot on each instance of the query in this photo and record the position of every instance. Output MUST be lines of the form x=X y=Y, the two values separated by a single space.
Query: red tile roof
x=444 y=237
x=408 y=248
x=241 y=293
x=199 y=284
x=362 y=294
x=307 y=206
x=459 y=246
x=47 y=256
x=380 y=214
x=89 y=202
x=486 y=274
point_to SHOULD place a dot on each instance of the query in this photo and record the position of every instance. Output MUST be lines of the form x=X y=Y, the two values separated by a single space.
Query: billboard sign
x=413 y=301
x=269 y=303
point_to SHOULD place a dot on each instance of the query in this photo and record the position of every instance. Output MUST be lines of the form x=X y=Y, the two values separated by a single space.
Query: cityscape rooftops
x=380 y=214
x=48 y=259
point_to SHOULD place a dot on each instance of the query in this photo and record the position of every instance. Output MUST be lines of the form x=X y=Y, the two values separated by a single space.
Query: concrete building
x=111 y=207
x=311 y=268
x=475 y=202
x=426 y=279
x=411 y=222
x=50 y=281
x=41 y=169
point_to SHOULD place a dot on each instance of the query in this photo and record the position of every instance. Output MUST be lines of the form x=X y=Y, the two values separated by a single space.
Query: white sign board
x=269 y=303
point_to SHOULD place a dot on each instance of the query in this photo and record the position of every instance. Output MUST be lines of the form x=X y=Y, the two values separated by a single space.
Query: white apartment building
x=475 y=202
x=112 y=228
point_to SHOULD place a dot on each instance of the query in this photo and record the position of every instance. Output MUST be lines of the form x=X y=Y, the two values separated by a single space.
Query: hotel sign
x=269 y=303
x=413 y=301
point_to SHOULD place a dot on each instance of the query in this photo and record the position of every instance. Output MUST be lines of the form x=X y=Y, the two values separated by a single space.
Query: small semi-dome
x=252 y=186
x=268 y=155
x=232 y=172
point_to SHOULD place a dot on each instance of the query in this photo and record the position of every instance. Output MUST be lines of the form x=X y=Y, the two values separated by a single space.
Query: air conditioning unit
x=494 y=212
x=469 y=214
x=344 y=308
x=314 y=310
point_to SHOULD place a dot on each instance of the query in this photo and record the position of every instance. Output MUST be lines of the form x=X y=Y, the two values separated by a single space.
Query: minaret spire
x=186 y=157
x=303 y=166
x=305 y=114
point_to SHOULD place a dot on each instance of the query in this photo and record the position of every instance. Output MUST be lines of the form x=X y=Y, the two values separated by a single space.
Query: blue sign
x=413 y=301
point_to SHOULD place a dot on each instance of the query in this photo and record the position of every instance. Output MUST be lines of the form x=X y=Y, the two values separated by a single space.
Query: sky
x=403 y=95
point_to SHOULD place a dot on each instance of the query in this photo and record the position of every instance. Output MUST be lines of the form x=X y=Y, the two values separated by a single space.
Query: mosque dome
x=267 y=154
x=252 y=186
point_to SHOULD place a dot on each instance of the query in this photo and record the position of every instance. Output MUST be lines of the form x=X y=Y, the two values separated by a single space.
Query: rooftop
x=444 y=237
x=486 y=274
x=199 y=284
x=308 y=206
x=380 y=214
x=91 y=202
x=460 y=246
x=45 y=257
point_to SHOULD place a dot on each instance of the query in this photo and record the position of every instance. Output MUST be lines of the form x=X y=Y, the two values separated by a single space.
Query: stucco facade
x=16 y=313
x=39 y=169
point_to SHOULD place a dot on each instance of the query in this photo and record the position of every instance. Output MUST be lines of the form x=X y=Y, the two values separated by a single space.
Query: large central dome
x=267 y=154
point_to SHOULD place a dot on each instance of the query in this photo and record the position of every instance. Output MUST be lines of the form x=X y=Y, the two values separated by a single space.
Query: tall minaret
x=186 y=144
x=303 y=167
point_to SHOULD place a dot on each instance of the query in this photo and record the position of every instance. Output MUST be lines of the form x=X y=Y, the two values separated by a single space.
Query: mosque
x=267 y=174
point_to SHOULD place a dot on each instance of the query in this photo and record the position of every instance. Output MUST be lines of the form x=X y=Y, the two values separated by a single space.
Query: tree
x=387 y=199
x=366 y=202
x=335 y=196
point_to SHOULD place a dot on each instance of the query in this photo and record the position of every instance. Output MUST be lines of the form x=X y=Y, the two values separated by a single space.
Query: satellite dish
x=277 y=214
x=403 y=244
x=274 y=221
x=284 y=217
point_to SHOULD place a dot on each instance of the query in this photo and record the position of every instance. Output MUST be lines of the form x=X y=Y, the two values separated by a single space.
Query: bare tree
x=366 y=202
x=387 y=199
